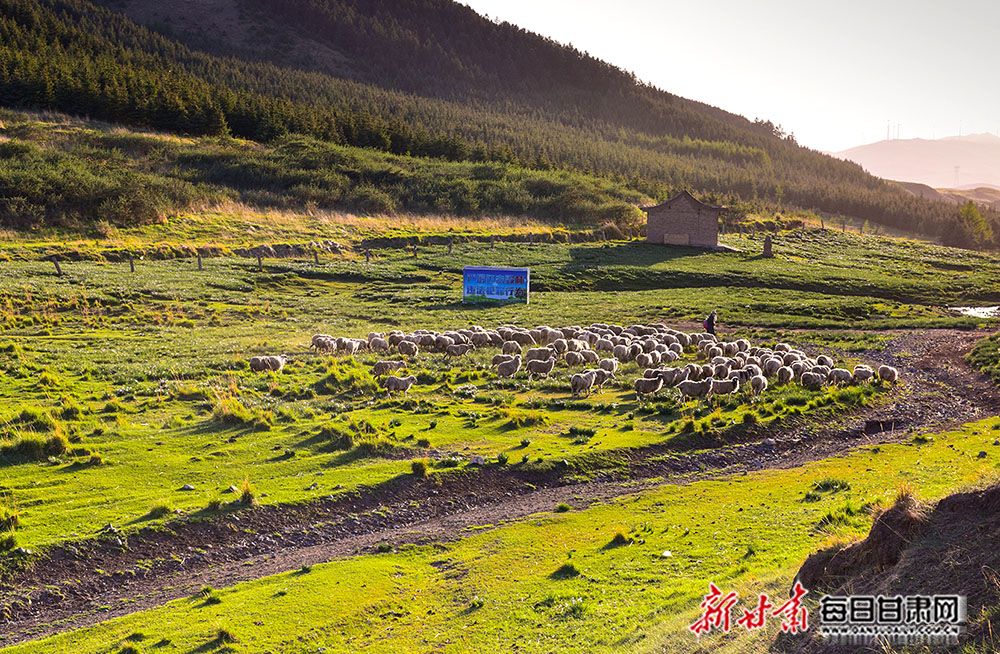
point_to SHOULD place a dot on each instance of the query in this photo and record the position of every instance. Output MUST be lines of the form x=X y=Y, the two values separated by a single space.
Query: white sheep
x=888 y=374
x=408 y=348
x=573 y=359
x=507 y=369
x=863 y=373
x=645 y=386
x=813 y=380
x=393 y=384
x=758 y=384
x=582 y=382
x=538 y=367
x=383 y=367
x=511 y=347
x=784 y=374
x=839 y=376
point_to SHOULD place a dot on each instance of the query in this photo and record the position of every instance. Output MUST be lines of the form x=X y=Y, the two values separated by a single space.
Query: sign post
x=490 y=283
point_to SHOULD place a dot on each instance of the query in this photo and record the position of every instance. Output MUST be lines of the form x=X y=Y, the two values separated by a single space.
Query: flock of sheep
x=727 y=367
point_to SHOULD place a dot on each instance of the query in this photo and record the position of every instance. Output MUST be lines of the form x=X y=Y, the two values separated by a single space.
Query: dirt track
x=938 y=390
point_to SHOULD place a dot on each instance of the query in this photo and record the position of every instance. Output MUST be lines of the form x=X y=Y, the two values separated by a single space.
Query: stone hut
x=683 y=220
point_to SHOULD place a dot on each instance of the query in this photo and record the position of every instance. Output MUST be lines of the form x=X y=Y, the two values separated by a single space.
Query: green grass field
x=119 y=388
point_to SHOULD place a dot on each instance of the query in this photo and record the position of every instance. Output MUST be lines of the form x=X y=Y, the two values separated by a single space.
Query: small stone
x=187 y=487
x=982 y=455
x=232 y=489
x=666 y=554
x=477 y=461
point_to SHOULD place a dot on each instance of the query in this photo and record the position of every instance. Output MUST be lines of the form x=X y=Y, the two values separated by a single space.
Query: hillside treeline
x=434 y=80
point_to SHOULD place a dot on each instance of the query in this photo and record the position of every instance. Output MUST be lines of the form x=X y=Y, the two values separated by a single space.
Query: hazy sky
x=834 y=73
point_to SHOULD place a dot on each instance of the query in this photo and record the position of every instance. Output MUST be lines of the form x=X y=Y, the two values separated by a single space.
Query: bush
x=563 y=508
x=9 y=518
x=247 y=493
x=33 y=447
x=419 y=467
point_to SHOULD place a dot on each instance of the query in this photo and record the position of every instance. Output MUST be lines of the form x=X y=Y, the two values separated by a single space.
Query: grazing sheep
x=644 y=386
x=758 y=384
x=714 y=351
x=407 y=348
x=538 y=353
x=500 y=358
x=378 y=344
x=350 y=347
x=824 y=360
x=507 y=369
x=582 y=382
x=611 y=365
x=784 y=374
x=537 y=367
x=510 y=347
x=573 y=359
x=560 y=346
x=604 y=345
x=813 y=380
x=695 y=389
x=601 y=376
x=721 y=370
x=383 y=367
x=821 y=370
x=620 y=352
x=725 y=386
x=840 y=376
x=522 y=338
x=862 y=374
x=771 y=366
x=459 y=349
x=888 y=374
x=317 y=339
x=589 y=356
x=257 y=364
x=393 y=384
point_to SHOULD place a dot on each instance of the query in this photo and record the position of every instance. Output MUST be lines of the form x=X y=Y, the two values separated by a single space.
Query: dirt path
x=153 y=567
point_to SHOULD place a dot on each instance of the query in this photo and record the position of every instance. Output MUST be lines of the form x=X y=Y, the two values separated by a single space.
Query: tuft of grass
x=831 y=485
x=562 y=507
x=565 y=571
x=248 y=496
x=158 y=511
x=419 y=467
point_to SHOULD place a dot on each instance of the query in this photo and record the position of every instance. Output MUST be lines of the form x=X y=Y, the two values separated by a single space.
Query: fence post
x=199 y=259
x=55 y=260
x=368 y=255
x=131 y=263
x=316 y=256
x=260 y=262
x=451 y=245
x=492 y=241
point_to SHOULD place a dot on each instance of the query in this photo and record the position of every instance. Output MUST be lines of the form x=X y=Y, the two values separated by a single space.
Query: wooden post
x=199 y=259
x=131 y=263
x=451 y=244
x=768 y=254
x=368 y=255
x=531 y=239
x=493 y=241
x=55 y=260
x=260 y=262
x=414 y=250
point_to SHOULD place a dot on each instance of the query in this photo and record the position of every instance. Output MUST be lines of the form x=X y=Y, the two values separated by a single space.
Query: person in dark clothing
x=710 y=323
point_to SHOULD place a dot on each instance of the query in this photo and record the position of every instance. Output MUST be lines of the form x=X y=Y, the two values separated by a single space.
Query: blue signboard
x=482 y=282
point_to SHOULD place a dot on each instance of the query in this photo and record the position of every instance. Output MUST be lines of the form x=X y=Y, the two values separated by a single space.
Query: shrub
x=419 y=467
x=502 y=458
x=424 y=442
x=7 y=542
x=563 y=508
x=247 y=493
x=9 y=518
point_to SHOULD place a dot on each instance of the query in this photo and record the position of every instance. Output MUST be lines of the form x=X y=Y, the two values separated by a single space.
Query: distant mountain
x=933 y=162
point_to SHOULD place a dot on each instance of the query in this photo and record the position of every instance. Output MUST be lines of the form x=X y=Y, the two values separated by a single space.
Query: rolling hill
x=419 y=78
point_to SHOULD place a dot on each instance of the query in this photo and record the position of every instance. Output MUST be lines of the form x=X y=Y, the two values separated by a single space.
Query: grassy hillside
x=59 y=172
x=544 y=106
